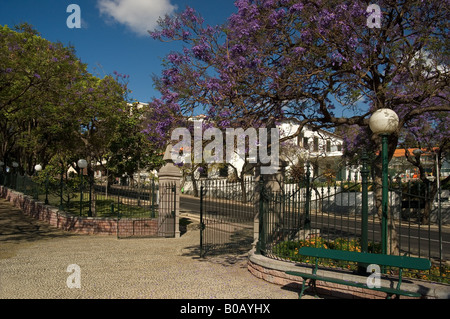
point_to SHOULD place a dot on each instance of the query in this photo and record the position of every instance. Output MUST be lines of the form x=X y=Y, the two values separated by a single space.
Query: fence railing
x=227 y=216
x=80 y=197
x=307 y=214
x=331 y=216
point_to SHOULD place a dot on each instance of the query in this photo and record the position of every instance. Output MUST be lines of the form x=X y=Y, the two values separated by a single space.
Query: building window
x=328 y=146
x=316 y=144
x=305 y=143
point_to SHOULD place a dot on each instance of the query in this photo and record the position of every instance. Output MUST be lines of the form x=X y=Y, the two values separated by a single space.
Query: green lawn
x=127 y=208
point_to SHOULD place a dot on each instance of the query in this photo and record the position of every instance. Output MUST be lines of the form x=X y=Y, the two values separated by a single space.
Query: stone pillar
x=169 y=202
x=268 y=184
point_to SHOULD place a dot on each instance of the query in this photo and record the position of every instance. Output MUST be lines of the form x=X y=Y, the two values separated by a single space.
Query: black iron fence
x=147 y=210
x=331 y=215
x=321 y=214
x=80 y=197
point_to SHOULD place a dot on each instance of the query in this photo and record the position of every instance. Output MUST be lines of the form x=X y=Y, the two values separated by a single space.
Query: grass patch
x=104 y=207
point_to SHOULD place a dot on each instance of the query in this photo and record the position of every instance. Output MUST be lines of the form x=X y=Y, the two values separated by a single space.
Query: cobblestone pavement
x=34 y=258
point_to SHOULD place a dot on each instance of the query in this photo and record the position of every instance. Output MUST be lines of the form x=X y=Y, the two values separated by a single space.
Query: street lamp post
x=61 y=186
x=37 y=168
x=308 y=198
x=81 y=164
x=384 y=122
x=15 y=166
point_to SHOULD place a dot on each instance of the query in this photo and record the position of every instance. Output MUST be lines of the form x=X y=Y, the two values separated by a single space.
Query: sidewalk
x=34 y=258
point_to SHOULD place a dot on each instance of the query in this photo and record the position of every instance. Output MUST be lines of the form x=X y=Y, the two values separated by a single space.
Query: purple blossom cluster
x=276 y=58
x=201 y=51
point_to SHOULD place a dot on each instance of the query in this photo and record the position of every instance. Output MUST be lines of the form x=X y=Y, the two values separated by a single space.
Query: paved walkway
x=34 y=258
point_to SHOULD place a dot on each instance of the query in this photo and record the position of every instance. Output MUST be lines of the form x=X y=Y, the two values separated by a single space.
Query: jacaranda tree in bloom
x=53 y=112
x=37 y=90
x=309 y=61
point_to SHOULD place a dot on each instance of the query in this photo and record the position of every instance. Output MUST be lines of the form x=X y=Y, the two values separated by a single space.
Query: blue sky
x=113 y=35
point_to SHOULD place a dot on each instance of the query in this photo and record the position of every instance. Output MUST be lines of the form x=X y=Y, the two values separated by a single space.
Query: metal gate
x=166 y=210
x=147 y=212
x=226 y=217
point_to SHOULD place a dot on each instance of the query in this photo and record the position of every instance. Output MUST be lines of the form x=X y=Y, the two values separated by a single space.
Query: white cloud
x=138 y=15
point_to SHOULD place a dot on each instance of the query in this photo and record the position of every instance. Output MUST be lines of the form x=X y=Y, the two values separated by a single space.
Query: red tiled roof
x=400 y=152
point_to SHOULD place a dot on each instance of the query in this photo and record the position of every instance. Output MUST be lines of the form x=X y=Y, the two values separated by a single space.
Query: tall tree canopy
x=310 y=61
x=304 y=59
x=52 y=110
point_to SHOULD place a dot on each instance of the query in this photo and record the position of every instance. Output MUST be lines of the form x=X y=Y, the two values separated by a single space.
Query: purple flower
x=201 y=52
x=37 y=76
x=296 y=7
x=225 y=123
x=186 y=35
x=177 y=58
x=190 y=15
x=299 y=50
x=238 y=49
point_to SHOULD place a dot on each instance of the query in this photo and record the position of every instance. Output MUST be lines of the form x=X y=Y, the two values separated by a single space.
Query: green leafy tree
x=37 y=81
x=53 y=112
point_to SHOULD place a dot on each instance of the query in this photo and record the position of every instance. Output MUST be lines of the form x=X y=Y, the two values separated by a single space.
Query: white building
x=322 y=149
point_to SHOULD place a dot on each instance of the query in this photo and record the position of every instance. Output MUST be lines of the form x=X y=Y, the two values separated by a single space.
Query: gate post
x=264 y=187
x=169 y=177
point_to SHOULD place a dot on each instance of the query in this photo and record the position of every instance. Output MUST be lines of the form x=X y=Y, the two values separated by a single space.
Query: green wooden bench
x=400 y=262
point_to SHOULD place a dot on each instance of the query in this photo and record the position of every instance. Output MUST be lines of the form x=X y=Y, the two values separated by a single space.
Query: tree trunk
x=430 y=192
x=194 y=184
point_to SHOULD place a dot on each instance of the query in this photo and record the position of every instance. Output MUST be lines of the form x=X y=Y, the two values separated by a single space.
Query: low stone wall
x=78 y=224
x=274 y=271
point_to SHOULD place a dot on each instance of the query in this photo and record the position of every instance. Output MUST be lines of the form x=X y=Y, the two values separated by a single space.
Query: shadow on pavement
x=18 y=229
